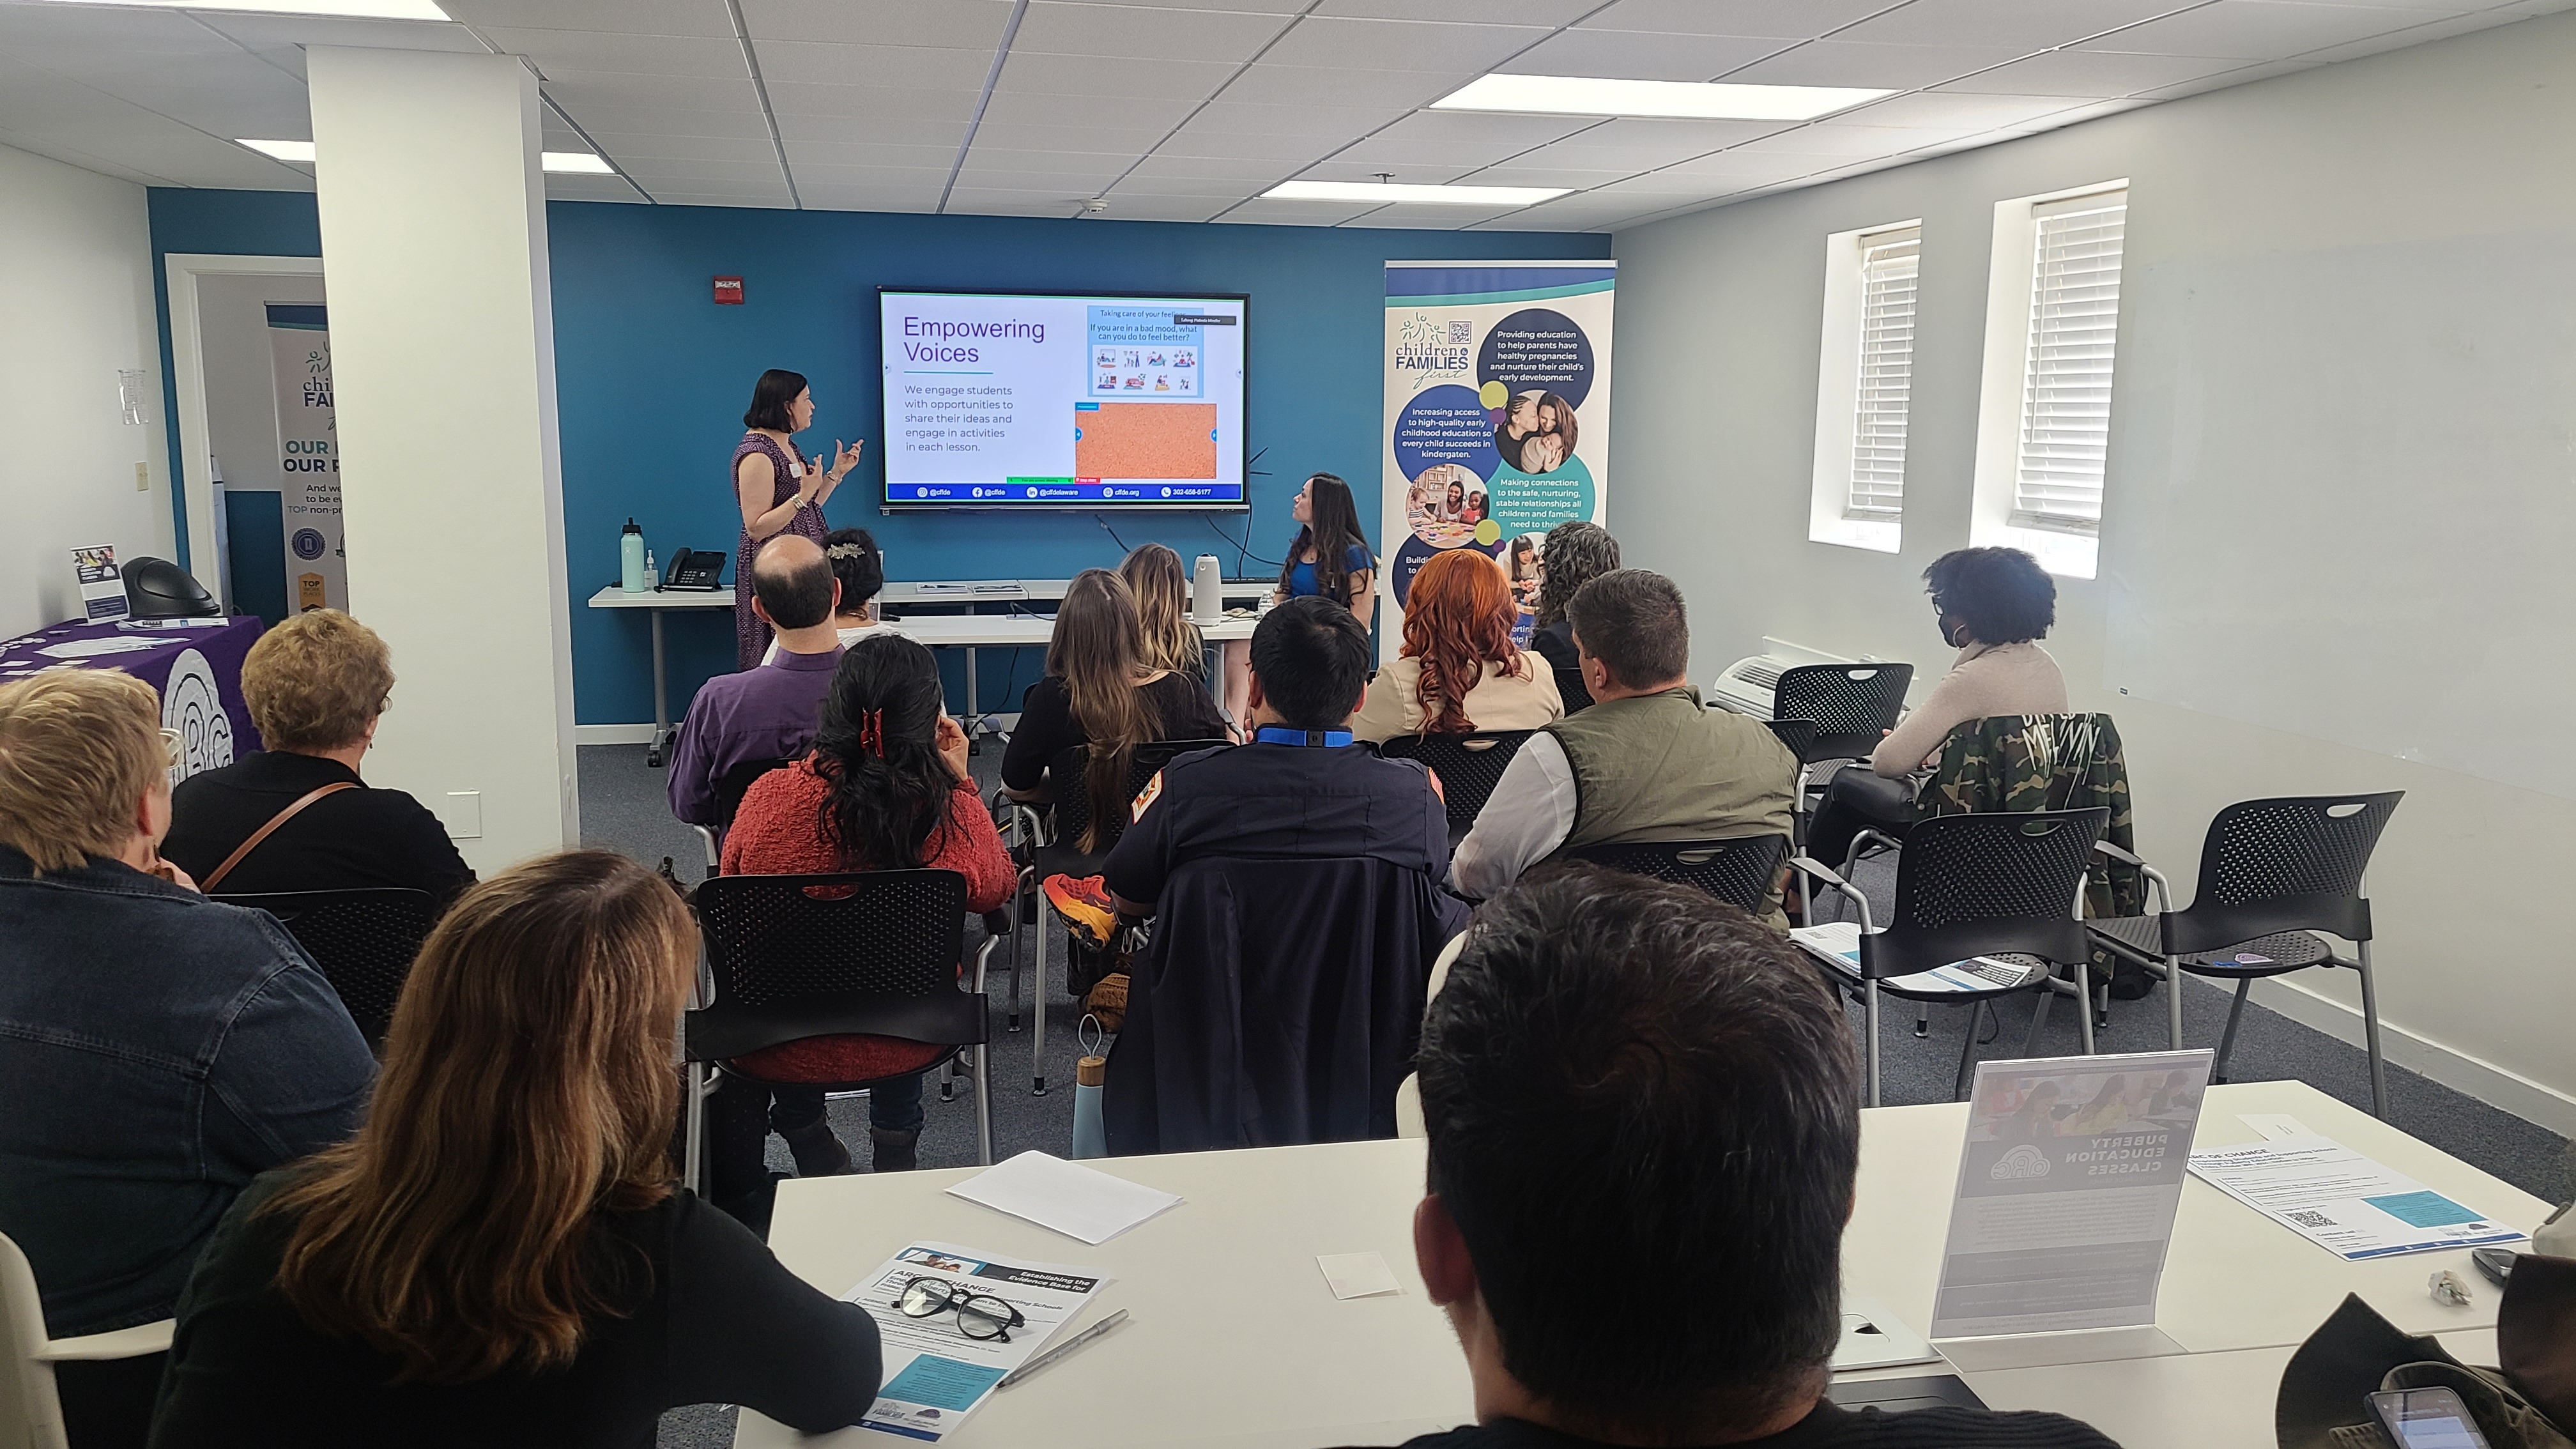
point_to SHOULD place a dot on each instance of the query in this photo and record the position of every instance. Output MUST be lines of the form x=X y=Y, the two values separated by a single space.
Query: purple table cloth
x=195 y=664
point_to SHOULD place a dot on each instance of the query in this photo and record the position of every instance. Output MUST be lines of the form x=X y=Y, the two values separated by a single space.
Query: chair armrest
x=1808 y=865
x=715 y=857
x=983 y=959
x=135 y=1342
x=2155 y=877
x=2123 y=857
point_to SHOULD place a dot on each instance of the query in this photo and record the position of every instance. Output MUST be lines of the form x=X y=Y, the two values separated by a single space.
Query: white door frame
x=194 y=464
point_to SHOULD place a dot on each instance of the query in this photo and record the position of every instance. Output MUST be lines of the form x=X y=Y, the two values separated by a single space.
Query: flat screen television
x=1027 y=401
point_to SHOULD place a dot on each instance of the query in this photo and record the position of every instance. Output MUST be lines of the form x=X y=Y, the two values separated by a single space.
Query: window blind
x=2066 y=387
x=1889 y=263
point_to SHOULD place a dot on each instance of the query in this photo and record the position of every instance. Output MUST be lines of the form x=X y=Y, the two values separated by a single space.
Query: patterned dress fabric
x=750 y=635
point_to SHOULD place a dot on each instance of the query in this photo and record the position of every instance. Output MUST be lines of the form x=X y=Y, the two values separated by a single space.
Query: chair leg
x=983 y=1105
x=1869 y=1014
x=2084 y=1002
x=1037 y=1041
x=948 y=1079
x=693 y=1168
x=1968 y=1052
x=2370 y=1035
x=2227 y=1042
x=2173 y=999
x=1923 y=1020
x=2038 y=1019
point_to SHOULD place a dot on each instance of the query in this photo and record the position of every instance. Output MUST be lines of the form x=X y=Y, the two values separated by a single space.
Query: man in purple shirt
x=767 y=712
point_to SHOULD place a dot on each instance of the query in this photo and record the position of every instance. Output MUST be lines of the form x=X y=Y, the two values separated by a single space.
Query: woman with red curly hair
x=1459 y=671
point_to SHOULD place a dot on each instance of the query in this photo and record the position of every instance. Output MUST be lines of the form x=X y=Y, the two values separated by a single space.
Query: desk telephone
x=696 y=571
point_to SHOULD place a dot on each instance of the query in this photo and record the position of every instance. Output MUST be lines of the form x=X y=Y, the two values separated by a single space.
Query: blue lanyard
x=1282 y=735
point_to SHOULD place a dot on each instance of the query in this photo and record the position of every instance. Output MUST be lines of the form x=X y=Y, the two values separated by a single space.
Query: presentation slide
x=1018 y=400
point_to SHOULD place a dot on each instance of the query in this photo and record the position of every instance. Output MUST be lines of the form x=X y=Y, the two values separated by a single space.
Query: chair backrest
x=1066 y=780
x=1980 y=885
x=1852 y=705
x=1571 y=689
x=792 y=956
x=1740 y=872
x=733 y=784
x=364 y=940
x=1469 y=766
x=2288 y=864
x=30 y=1413
x=2044 y=762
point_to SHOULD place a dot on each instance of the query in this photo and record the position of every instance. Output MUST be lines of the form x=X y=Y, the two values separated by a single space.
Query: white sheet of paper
x=1837 y=943
x=2072 y=1172
x=1357 y=1275
x=1069 y=1198
x=2342 y=1201
x=2273 y=1126
x=1872 y=1337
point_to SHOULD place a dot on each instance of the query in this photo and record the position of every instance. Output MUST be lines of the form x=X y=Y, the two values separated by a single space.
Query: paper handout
x=1071 y=1199
x=1357 y=1275
x=2342 y=1201
x=935 y=1373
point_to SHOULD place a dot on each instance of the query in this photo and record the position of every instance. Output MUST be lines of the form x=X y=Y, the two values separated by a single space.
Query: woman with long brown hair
x=499 y=1256
x=1458 y=672
x=1162 y=589
x=1100 y=692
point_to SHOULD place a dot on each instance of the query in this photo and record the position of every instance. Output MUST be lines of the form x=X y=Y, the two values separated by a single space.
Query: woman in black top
x=1099 y=692
x=500 y=1257
x=1574 y=554
x=315 y=686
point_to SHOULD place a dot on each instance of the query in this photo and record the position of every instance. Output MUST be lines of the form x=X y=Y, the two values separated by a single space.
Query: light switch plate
x=463 y=816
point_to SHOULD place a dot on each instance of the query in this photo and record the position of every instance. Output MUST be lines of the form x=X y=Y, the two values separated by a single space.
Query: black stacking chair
x=1059 y=852
x=364 y=940
x=867 y=953
x=1740 y=872
x=731 y=786
x=2273 y=873
x=1994 y=894
x=1469 y=767
x=1829 y=712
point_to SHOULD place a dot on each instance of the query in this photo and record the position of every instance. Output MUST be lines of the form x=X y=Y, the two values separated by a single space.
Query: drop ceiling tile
x=1431 y=218
x=777 y=202
x=1070 y=135
x=1406 y=158
x=1076 y=75
x=623 y=146
x=656 y=174
x=576 y=90
x=596 y=50
x=1944 y=108
x=2025 y=25
x=650 y=17
x=1012 y=200
x=1136 y=32
x=1261 y=118
x=1891 y=67
x=1235 y=148
x=1070 y=163
x=1492 y=12
x=2263 y=29
x=1738 y=166
x=1076 y=184
x=1123 y=207
x=1257 y=212
x=50 y=35
x=1250 y=173
x=2093 y=74
x=2412 y=35
x=849 y=178
x=589 y=188
x=1849 y=142
x=303 y=30
x=1142 y=185
x=1342 y=168
x=1040 y=108
x=827 y=63
x=872 y=154
x=872 y=102
x=2261 y=70
x=1637 y=145
x=1401 y=45
x=1567 y=177
x=830 y=132
x=625 y=115
x=1483 y=131
x=966 y=23
x=1343 y=86
x=1786 y=19
x=1641 y=55
x=828 y=198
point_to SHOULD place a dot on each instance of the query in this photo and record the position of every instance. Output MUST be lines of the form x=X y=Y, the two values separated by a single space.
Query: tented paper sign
x=2068 y=1184
x=1497 y=417
x=308 y=458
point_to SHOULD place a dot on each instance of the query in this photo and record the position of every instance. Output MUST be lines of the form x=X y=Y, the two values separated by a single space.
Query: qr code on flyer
x=2310 y=1219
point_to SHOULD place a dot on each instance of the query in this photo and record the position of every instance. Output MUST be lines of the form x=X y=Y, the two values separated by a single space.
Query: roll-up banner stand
x=1497 y=414
x=308 y=458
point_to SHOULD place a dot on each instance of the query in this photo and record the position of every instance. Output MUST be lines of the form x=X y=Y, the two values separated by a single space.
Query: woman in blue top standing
x=1330 y=558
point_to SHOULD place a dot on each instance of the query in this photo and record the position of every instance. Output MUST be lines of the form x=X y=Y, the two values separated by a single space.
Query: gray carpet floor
x=623 y=808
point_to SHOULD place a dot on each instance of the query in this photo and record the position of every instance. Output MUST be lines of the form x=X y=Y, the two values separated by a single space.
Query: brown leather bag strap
x=280 y=818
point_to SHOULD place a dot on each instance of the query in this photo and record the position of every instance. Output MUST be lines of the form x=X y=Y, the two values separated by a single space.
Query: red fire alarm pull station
x=728 y=291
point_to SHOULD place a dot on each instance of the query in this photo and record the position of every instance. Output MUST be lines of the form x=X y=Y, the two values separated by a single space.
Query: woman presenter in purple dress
x=780 y=492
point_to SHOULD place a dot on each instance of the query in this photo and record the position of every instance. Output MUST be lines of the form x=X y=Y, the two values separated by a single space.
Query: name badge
x=795 y=470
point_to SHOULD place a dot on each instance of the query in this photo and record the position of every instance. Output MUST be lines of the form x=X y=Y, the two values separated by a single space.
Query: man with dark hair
x=1645 y=763
x=1673 y=1276
x=769 y=711
x=1299 y=786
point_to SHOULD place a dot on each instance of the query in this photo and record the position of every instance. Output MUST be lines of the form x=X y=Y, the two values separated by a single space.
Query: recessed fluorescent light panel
x=1575 y=95
x=345 y=9
x=574 y=163
x=1388 y=191
x=282 y=150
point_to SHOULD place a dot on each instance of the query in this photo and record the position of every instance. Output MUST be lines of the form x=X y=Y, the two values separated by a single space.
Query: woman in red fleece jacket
x=887 y=783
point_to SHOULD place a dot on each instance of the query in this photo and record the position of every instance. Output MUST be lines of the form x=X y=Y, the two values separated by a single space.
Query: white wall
x=241 y=373
x=2424 y=157
x=75 y=309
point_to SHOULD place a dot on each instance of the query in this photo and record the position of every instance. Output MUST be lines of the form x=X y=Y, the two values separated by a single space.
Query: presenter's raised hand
x=950 y=740
x=844 y=458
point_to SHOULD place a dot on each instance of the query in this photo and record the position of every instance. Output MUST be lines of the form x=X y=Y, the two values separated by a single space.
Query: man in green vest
x=1646 y=762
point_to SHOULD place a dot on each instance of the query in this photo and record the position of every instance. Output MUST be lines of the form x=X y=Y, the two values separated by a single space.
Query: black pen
x=1061 y=1349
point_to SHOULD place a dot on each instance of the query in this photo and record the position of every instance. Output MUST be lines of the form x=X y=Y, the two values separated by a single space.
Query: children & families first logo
x=1430 y=349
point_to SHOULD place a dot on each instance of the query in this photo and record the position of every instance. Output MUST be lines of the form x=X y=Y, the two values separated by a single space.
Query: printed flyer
x=940 y=1365
x=308 y=457
x=1497 y=413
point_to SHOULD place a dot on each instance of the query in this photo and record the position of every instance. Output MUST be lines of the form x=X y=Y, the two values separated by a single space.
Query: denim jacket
x=157 y=1051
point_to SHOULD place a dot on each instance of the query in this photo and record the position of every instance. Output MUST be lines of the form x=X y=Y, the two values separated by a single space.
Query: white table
x=966 y=631
x=1235 y=1340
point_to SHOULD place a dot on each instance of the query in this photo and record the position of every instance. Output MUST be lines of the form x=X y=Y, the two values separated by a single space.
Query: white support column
x=442 y=341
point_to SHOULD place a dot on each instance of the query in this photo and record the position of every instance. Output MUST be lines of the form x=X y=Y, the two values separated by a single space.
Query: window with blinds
x=2066 y=384
x=1889 y=262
